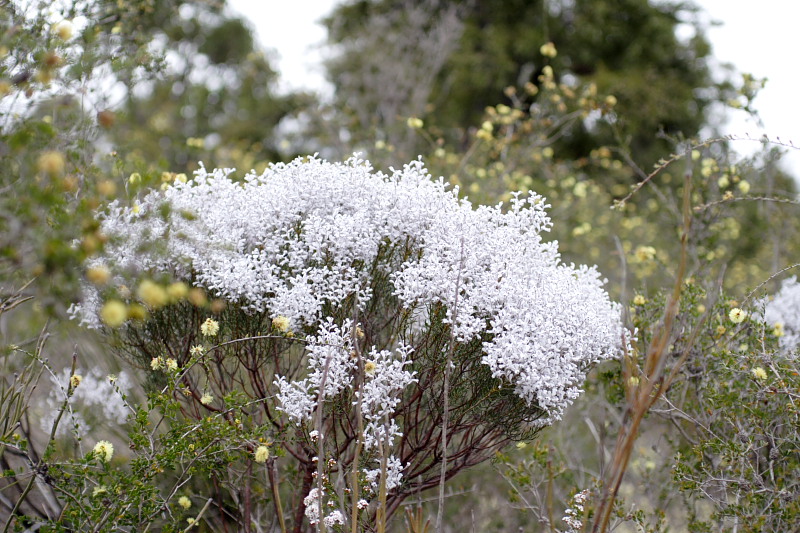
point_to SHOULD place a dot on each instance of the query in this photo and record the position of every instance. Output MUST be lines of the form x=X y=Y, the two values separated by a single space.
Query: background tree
x=627 y=48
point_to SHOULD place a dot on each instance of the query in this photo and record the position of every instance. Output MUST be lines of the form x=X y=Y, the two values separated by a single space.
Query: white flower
x=783 y=313
x=311 y=501
x=336 y=517
x=394 y=474
x=97 y=401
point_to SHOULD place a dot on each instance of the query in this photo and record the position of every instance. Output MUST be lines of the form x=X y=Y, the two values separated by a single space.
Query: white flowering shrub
x=343 y=295
x=782 y=311
x=96 y=398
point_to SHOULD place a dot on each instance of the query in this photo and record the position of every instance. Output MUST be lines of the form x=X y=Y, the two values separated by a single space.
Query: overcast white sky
x=761 y=37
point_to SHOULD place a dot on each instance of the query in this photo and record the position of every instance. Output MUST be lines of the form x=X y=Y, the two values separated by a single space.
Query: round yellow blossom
x=369 y=368
x=190 y=521
x=197 y=297
x=737 y=316
x=107 y=188
x=359 y=332
x=548 y=50
x=63 y=29
x=611 y=100
x=156 y=363
x=744 y=187
x=759 y=373
x=210 y=327
x=152 y=294
x=723 y=182
x=137 y=312
x=639 y=300
x=51 y=163
x=171 y=364
x=281 y=323
x=113 y=313
x=206 y=399
x=184 y=502
x=135 y=178
x=261 y=454
x=99 y=274
x=177 y=291
x=645 y=253
x=415 y=123
x=104 y=450
x=217 y=305
x=777 y=330
x=180 y=178
x=75 y=380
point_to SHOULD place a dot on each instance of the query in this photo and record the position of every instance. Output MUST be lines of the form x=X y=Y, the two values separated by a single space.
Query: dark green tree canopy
x=628 y=48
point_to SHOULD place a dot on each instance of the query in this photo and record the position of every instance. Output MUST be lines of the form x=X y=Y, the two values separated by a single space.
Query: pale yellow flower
x=63 y=29
x=75 y=380
x=99 y=275
x=639 y=300
x=114 y=313
x=171 y=364
x=155 y=363
x=415 y=123
x=369 y=368
x=645 y=253
x=759 y=373
x=261 y=454
x=281 y=323
x=737 y=316
x=177 y=291
x=184 y=502
x=152 y=294
x=548 y=50
x=206 y=399
x=777 y=330
x=52 y=163
x=744 y=186
x=210 y=327
x=104 y=450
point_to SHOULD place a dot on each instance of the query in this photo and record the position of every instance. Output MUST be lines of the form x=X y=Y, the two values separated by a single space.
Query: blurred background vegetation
x=578 y=100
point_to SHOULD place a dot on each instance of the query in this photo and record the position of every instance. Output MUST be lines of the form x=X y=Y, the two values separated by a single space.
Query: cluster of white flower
x=573 y=515
x=381 y=392
x=783 y=313
x=311 y=233
x=331 y=367
x=97 y=399
x=394 y=474
x=311 y=501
